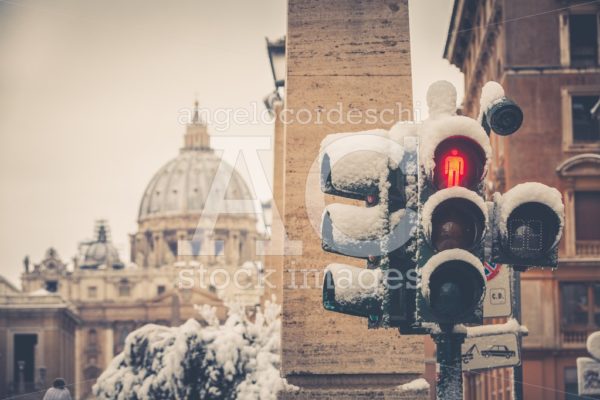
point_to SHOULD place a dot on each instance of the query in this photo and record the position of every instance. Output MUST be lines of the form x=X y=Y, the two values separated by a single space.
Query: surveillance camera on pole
x=499 y=113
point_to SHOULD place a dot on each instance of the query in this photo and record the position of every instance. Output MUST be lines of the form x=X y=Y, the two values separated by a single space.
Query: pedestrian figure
x=58 y=391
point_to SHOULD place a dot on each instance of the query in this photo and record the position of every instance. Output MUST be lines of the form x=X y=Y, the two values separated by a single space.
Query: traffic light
x=528 y=223
x=453 y=219
x=364 y=166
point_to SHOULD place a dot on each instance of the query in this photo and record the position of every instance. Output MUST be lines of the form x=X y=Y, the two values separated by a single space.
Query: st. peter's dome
x=172 y=205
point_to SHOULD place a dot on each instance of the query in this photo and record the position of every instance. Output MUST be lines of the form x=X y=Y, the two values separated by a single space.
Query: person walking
x=58 y=391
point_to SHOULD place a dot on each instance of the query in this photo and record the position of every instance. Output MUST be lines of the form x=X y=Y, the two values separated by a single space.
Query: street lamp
x=276 y=50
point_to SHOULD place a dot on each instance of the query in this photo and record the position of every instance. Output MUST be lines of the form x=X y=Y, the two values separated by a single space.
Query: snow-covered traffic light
x=453 y=216
x=363 y=166
x=425 y=213
x=528 y=223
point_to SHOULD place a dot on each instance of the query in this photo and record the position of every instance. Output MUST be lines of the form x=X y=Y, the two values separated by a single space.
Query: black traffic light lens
x=532 y=230
x=504 y=117
x=456 y=288
x=456 y=223
x=459 y=161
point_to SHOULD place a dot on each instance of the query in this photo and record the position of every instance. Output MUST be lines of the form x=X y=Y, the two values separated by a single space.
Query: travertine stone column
x=349 y=55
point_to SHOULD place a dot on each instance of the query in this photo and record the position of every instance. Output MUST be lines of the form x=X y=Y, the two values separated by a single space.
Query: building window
x=587 y=216
x=219 y=247
x=124 y=288
x=92 y=292
x=583 y=40
x=160 y=289
x=580 y=302
x=571 y=388
x=52 y=286
x=585 y=113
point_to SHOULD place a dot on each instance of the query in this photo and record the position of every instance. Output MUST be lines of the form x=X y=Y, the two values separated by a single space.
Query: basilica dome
x=100 y=252
x=171 y=225
x=183 y=184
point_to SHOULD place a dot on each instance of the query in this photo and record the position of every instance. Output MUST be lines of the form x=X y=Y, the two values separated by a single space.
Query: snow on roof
x=442 y=257
x=527 y=193
x=593 y=345
x=439 y=197
x=415 y=385
x=360 y=158
x=354 y=284
x=491 y=93
x=436 y=131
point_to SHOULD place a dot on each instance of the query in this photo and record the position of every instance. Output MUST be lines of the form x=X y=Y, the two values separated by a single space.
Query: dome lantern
x=196 y=136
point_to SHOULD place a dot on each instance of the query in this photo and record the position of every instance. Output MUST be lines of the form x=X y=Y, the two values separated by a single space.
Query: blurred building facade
x=71 y=319
x=545 y=54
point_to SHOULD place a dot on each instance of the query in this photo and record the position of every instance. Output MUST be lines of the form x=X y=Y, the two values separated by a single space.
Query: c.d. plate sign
x=498 y=295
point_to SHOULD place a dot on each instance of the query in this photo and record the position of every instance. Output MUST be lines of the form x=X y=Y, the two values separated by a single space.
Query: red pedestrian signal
x=459 y=161
x=454 y=168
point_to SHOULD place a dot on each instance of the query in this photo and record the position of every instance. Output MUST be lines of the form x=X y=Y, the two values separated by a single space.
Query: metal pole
x=518 y=371
x=449 y=382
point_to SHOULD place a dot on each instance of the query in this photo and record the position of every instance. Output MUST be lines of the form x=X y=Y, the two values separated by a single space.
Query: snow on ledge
x=527 y=193
x=442 y=257
x=510 y=326
x=436 y=131
x=439 y=197
x=416 y=385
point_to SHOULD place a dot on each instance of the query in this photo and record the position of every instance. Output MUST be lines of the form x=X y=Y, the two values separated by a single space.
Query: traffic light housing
x=453 y=221
x=528 y=224
x=364 y=166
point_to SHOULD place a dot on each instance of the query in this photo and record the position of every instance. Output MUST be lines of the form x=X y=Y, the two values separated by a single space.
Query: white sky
x=91 y=93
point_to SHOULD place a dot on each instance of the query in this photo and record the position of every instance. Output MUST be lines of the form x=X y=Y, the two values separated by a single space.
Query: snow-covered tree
x=236 y=360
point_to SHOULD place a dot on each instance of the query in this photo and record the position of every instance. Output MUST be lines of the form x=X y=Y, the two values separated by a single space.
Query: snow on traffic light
x=363 y=166
x=529 y=220
x=497 y=112
x=453 y=216
x=423 y=187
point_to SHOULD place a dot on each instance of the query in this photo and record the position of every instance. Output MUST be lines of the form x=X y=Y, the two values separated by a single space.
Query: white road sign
x=486 y=352
x=588 y=376
x=498 y=295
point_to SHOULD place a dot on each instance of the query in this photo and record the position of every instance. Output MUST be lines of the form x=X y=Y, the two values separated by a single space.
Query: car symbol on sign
x=498 y=351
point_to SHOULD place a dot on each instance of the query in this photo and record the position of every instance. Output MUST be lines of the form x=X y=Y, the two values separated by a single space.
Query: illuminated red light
x=454 y=168
x=459 y=161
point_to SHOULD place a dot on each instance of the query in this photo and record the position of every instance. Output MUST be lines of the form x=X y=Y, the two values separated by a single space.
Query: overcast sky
x=91 y=93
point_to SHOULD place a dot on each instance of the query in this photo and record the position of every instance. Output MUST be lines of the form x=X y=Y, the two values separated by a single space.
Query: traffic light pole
x=518 y=370
x=449 y=358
